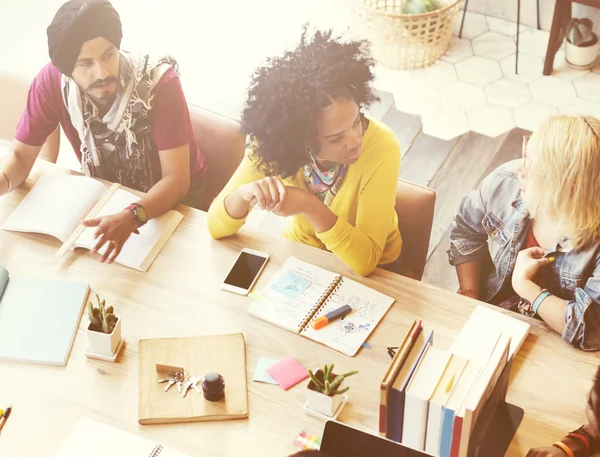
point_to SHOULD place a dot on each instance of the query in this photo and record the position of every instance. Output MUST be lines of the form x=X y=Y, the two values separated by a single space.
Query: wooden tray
x=225 y=354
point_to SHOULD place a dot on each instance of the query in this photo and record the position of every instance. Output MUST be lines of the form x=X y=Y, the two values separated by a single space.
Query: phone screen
x=245 y=270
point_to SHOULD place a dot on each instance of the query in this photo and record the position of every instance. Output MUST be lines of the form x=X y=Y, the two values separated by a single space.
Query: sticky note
x=288 y=372
x=260 y=374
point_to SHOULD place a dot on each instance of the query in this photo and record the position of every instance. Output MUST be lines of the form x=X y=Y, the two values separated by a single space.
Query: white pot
x=104 y=343
x=581 y=57
x=321 y=403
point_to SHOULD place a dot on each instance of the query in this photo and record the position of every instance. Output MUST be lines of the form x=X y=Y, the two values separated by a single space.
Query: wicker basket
x=403 y=41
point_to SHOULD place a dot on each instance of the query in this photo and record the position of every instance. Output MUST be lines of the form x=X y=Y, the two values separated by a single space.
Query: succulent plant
x=102 y=318
x=330 y=383
x=579 y=32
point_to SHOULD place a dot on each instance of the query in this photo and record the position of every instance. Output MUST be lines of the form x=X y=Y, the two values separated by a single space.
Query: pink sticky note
x=288 y=372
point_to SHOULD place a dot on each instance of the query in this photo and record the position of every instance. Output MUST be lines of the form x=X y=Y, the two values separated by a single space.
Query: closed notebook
x=479 y=335
x=395 y=416
x=392 y=372
x=301 y=292
x=113 y=443
x=482 y=390
x=451 y=420
x=420 y=389
x=440 y=396
x=39 y=318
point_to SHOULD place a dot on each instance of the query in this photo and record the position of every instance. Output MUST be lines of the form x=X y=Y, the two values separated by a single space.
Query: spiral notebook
x=114 y=443
x=301 y=292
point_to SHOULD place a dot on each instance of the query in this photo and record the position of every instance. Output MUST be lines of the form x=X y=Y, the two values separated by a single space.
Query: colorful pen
x=5 y=416
x=330 y=317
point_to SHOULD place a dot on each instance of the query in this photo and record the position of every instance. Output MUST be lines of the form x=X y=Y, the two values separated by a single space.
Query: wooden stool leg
x=517 y=45
x=462 y=22
x=562 y=16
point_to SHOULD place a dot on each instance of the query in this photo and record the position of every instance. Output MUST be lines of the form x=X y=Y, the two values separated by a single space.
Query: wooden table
x=180 y=296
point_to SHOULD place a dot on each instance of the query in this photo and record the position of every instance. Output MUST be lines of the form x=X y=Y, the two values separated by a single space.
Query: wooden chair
x=220 y=140
x=13 y=97
x=414 y=206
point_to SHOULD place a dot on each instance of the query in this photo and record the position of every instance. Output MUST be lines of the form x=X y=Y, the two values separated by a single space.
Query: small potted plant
x=325 y=389
x=104 y=331
x=581 y=43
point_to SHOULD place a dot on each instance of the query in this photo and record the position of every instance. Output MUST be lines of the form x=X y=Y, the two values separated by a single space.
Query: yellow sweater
x=366 y=232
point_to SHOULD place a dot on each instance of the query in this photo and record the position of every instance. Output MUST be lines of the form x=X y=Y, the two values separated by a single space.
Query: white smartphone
x=245 y=271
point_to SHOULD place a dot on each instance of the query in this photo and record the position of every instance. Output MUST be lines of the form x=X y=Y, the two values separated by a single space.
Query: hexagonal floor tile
x=490 y=120
x=552 y=90
x=458 y=50
x=530 y=115
x=389 y=80
x=475 y=24
x=462 y=96
x=435 y=76
x=493 y=45
x=579 y=106
x=416 y=99
x=530 y=68
x=445 y=123
x=534 y=42
x=588 y=87
x=478 y=70
x=504 y=27
x=507 y=93
x=563 y=70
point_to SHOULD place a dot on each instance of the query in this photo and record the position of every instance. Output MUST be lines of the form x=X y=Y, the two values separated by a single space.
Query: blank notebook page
x=39 y=319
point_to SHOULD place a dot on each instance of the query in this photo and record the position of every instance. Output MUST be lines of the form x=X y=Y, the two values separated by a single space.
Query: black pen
x=4 y=417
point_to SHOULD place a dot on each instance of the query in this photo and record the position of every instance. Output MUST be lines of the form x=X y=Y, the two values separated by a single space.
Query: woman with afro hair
x=315 y=156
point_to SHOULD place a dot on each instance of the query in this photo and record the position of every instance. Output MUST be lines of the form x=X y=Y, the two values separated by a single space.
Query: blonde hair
x=563 y=175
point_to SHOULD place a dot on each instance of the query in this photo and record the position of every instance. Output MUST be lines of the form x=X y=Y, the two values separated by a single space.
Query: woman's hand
x=265 y=193
x=295 y=202
x=529 y=261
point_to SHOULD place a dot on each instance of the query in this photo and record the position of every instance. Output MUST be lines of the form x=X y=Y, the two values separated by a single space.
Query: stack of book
x=431 y=398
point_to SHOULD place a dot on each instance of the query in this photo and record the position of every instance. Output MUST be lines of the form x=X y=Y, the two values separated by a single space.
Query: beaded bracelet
x=566 y=449
x=472 y=293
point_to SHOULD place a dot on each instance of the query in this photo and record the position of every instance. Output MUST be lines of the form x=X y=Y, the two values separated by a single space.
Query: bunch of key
x=184 y=382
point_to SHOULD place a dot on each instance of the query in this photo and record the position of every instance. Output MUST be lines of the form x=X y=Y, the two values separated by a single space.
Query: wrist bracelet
x=469 y=293
x=539 y=299
x=566 y=449
x=581 y=438
x=9 y=182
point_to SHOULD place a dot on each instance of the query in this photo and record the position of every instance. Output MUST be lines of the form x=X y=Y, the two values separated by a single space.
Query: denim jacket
x=493 y=222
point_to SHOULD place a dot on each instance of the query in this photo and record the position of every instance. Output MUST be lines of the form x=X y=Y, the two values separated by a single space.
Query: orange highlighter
x=330 y=317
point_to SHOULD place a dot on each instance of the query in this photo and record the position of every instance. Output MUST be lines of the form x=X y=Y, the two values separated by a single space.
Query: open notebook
x=114 y=443
x=39 y=318
x=301 y=292
x=58 y=203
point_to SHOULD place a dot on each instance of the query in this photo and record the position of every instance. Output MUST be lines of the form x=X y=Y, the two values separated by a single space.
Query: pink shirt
x=170 y=118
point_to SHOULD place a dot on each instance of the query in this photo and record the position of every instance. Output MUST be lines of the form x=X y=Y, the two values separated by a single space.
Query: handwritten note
x=293 y=294
x=347 y=334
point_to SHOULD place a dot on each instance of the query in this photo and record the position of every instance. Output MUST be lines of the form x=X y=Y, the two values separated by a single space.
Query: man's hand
x=113 y=231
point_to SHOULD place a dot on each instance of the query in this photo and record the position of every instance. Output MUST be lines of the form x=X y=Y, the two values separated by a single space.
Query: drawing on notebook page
x=291 y=285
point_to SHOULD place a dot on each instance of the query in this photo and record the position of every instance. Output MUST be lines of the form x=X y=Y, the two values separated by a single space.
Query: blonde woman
x=528 y=239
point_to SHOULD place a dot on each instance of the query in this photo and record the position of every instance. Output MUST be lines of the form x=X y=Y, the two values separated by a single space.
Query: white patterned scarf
x=117 y=147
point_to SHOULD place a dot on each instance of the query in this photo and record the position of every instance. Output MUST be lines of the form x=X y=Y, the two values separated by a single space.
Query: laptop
x=341 y=440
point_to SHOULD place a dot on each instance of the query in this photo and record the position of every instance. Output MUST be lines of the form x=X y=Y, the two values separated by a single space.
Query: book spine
x=395 y=415
x=320 y=302
x=456 y=432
